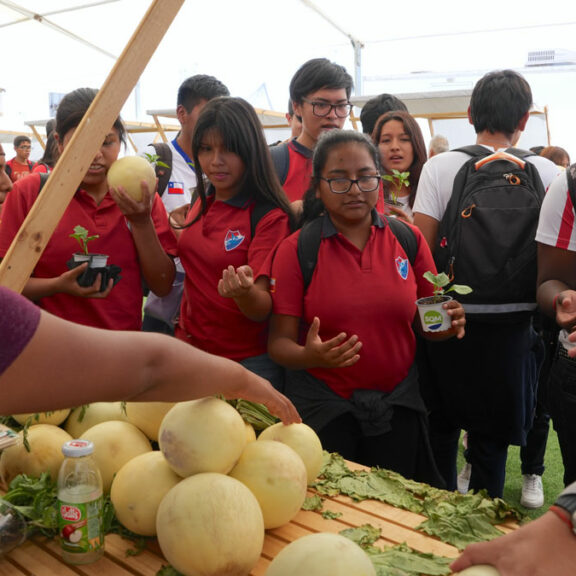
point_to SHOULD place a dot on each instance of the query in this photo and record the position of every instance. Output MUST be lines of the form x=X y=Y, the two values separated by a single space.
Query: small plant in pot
x=397 y=180
x=97 y=263
x=432 y=315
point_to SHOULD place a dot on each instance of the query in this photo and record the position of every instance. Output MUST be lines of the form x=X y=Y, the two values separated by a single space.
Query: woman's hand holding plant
x=67 y=283
x=338 y=352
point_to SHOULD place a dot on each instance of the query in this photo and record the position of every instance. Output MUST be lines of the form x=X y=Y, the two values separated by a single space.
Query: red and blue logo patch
x=233 y=239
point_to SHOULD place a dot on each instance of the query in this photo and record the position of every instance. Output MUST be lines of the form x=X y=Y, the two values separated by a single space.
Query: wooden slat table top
x=41 y=557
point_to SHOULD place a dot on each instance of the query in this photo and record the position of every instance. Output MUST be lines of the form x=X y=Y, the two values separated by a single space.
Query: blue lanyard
x=183 y=154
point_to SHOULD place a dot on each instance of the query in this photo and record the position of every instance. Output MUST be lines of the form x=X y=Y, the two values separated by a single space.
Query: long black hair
x=312 y=206
x=237 y=123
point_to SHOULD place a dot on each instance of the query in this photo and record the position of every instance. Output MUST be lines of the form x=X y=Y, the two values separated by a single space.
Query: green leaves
x=81 y=235
x=440 y=281
x=398 y=179
x=154 y=159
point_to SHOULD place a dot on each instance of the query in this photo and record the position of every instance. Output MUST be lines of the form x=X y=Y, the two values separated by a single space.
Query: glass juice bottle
x=80 y=504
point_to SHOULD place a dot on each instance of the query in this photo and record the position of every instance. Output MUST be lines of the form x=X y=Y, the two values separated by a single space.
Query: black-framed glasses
x=343 y=185
x=322 y=109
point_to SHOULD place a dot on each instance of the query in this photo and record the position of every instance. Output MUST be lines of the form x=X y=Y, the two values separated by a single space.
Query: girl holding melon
x=135 y=234
x=230 y=233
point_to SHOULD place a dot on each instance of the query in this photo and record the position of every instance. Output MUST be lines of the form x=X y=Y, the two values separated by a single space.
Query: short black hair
x=375 y=107
x=499 y=101
x=20 y=140
x=199 y=87
x=316 y=74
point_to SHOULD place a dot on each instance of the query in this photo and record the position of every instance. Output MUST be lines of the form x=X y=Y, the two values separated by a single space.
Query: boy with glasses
x=320 y=94
x=20 y=166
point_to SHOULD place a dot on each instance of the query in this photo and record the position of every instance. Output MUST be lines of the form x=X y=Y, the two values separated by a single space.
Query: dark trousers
x=562 y=385
x=485 y=384
x=344 y=436
x=151 y=324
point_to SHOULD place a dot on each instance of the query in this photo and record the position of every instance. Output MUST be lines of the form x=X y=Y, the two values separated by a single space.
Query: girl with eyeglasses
x=347 y=339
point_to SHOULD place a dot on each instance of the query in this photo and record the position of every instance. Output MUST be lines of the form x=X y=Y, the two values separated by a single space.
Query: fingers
x=235 y=282
x=339 y=351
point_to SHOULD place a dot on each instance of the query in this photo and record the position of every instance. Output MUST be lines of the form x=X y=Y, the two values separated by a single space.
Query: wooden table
x=42 y=557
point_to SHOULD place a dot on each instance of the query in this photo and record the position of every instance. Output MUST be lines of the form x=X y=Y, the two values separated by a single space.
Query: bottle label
x=80 y=526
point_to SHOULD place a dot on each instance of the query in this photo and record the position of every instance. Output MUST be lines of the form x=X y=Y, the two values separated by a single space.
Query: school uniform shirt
x=222 y=238
x=371 y=293
x=122 y=308
x=299 y=171
x=182 y=181
x=556 y=226
x=18 y=170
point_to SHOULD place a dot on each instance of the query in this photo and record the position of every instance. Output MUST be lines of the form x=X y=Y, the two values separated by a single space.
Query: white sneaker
x=532 y=491
x=463 y=479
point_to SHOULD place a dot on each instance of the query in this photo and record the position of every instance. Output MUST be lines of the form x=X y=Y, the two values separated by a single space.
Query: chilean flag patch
x=175 y=187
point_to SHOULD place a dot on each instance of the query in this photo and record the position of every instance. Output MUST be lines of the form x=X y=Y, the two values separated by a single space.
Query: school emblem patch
x=402 y=267
x=233 y=239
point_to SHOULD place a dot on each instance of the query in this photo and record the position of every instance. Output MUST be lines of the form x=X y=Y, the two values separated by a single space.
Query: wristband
x=562 y=514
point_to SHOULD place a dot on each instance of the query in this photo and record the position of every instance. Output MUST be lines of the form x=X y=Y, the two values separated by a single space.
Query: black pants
x=563 y=411
x=344 y=436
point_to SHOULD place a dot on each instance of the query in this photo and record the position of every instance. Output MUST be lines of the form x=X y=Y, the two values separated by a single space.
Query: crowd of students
x=295 y=273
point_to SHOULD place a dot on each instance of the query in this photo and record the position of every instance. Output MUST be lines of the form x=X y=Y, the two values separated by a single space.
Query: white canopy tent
x=255 y=46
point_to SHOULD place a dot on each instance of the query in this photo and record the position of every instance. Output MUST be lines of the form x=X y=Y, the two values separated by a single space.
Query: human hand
x=338 y=352
x=458 y=317
x=261 y=391
x=136 y=212
x=398 y=212
x=540 y=548
x=236 y=283
x=566 y=310
x=67 y=283
x=178 y=217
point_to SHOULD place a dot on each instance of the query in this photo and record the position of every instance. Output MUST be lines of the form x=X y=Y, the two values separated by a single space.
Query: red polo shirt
x=371 y=293
x=122 y=309
x=220 y=238
x=299 y=171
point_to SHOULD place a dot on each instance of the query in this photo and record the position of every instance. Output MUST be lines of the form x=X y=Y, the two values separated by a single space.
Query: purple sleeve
x=19 y=319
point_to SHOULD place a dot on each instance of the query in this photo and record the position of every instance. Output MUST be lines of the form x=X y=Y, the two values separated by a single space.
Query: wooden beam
x=31 y=239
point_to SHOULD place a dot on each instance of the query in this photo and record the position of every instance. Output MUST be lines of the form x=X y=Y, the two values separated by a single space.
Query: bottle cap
x=77 y=448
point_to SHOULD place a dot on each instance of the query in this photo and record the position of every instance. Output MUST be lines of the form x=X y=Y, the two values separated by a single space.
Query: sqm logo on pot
x=70 y=513
x=433 y=320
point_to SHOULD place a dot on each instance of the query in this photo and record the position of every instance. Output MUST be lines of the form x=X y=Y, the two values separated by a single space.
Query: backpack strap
x=281 y=160
x=311 y=236
x=308 y=245
x=164 y=153
x=405 y=237
x=43 y=180
x=260 y=210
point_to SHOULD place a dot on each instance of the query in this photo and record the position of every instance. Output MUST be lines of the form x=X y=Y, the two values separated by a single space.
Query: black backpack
x=311 y=236
x=164 y=153
x=486 y=238
x=281 y=160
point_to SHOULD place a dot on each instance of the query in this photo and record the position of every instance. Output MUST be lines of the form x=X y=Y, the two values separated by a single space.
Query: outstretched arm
x=542 y=547
x=66 y=365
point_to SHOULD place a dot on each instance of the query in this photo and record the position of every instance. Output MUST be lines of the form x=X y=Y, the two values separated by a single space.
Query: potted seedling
x=97 y=263
x=397 y=180
x=432 y=315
